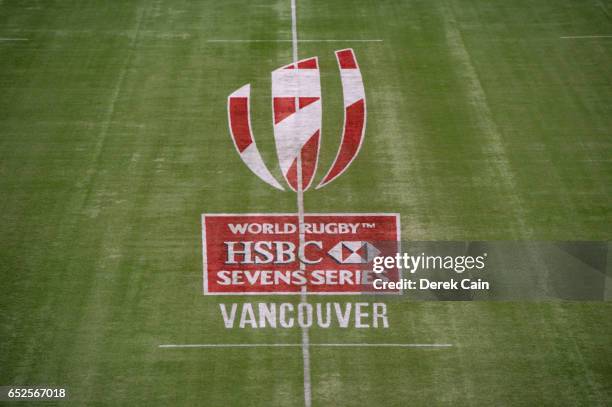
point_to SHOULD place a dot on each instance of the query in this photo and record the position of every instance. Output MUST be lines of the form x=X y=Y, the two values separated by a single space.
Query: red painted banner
x=261 y=254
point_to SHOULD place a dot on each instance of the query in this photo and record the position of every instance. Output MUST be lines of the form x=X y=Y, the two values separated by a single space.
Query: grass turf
x=482 y=124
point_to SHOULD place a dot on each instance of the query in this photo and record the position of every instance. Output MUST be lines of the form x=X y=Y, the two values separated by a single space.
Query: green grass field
x=483 y=124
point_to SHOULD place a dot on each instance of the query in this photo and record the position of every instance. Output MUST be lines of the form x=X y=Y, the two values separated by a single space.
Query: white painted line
x=294 y=36
x=14 y=39
x=571 y=37
x=297 y=345
x=385 y=345
x=314 y=40
x=306 y=359
x=301 y=232
x=365 y=40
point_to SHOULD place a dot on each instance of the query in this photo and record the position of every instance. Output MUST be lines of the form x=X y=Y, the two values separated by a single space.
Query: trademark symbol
x=368 y=225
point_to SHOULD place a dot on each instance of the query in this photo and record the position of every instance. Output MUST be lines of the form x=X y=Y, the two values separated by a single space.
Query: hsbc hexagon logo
x=354 y=252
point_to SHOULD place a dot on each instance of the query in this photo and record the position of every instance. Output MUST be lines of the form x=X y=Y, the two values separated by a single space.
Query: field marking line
x=294 y=36
x=301 y=230
x=14 y=39
x=295 y=345
x=572 y=37
x=347 y=40
x=291 y=40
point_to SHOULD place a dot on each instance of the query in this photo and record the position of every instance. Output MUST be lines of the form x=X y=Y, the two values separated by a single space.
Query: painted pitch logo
x=297 y=111
x=264 y=253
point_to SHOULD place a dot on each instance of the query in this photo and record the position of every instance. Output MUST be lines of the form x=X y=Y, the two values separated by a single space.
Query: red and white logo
x=297 y=112
x=298 y=253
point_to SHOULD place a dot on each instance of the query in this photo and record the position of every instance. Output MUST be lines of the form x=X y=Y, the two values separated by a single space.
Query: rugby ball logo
x=297 y=117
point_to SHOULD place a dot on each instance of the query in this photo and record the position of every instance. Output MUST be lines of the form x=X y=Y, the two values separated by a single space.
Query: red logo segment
x=346 y=59
x=309 y=155
x=239 y=119
x=351 y=140
x=354 y=115
x=308 y=64
x=283 y=107
x=242 y=135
